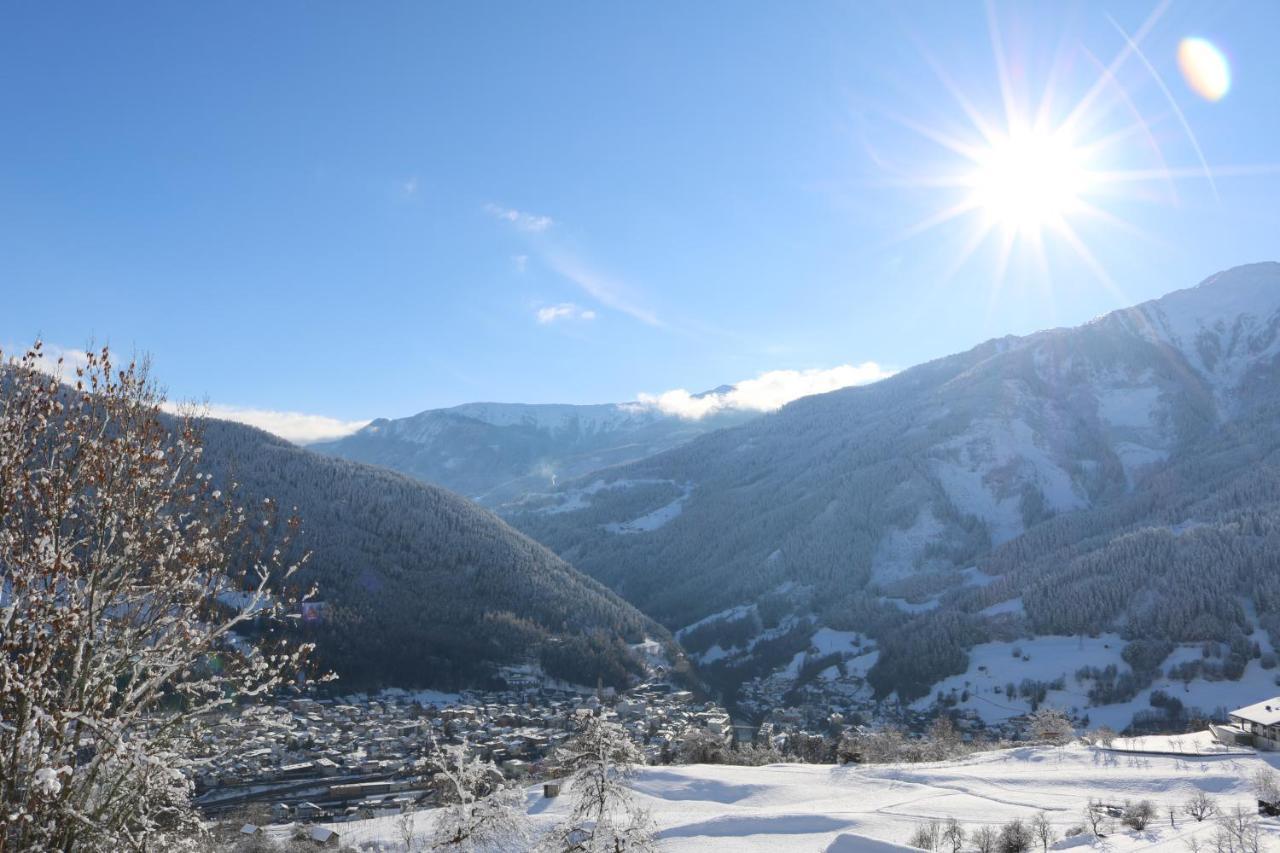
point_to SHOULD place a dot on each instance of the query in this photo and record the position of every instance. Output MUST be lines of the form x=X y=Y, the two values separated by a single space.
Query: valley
x=834 y=427
x=998 y=495
x=1085 y=517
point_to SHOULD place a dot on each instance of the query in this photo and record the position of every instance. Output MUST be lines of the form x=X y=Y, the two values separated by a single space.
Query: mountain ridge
x=852 y=510
x=497 y=453
x=421 y=586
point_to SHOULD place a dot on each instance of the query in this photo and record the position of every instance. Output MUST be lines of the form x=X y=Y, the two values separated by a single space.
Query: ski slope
x=812 y=808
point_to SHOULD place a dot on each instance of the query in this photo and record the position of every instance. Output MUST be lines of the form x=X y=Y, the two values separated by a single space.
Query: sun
x=1069 y=153
x=1029 y=180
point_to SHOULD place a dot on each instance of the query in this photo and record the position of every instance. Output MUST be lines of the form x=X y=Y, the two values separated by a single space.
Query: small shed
x=323 y=836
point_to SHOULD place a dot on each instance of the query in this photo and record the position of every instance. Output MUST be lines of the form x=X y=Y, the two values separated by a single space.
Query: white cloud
x=606 y=290
x=532 y=222
x=768 y=391
x=564 y=311
x=409 y=188
x=292 y=426
x=297 y=427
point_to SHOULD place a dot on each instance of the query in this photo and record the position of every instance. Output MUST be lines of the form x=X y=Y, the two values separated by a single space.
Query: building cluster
x=329 y=759
x=812 y=715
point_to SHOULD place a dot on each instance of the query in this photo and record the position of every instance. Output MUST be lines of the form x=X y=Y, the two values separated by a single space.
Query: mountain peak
x=1223 y=325
x=1243 y=274
x=718 y=391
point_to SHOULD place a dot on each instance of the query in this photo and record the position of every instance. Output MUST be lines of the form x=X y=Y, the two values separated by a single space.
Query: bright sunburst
x=1029 y=180
x=1054 y=163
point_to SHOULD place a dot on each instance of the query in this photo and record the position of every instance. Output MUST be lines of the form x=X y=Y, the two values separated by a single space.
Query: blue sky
x=357 y=210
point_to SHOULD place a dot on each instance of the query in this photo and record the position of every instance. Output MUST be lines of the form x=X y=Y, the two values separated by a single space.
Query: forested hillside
x=498 y=452
x=422 y=587
x=1120 y=476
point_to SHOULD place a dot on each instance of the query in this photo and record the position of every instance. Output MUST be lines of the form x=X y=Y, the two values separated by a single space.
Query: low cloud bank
x=297 y=427
x=768 y=391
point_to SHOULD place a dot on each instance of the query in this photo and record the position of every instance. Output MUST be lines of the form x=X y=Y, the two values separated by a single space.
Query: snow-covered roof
x=1265 y=713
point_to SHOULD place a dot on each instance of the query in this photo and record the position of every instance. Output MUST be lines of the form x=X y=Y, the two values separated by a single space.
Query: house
x=322 y=836
x=307 y=811
x=1256 y=725
x=298 y=770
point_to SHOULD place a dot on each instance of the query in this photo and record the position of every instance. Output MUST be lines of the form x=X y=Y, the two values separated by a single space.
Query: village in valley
x=310 y=759
x=308 y=763
x=307 y=767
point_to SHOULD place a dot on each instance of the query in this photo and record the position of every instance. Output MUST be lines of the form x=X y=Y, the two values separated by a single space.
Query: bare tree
x=888 y=744
x=1042 y=830
x=953 y=835
x=1103 y=736
x=407 y=827
x=1095 y=813
x=1050 y=724
x=1238 y=832
x=1138 y=815
x=943 y=739
x=1015 y=837
x=1200 y=806
x=117 y=557
x=605 y=817
x=985 y=839
x=482 y=811
x=926 y=836
x=1266 y=785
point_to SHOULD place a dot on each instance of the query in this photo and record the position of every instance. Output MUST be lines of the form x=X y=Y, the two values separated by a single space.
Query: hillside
x=1120 y=476
x=874 y=808
x=498 y=452
x=422 y=587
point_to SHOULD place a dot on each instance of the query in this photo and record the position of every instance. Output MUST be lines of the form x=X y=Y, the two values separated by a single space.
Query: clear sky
x=359 y=210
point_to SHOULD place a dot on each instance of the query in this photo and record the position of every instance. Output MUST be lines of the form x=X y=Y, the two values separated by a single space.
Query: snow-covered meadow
x=994 y=665
x=812 y=808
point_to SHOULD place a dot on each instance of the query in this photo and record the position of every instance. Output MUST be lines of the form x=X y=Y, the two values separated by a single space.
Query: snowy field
x=993 y=665
x=1199 y=743
x=813 y=808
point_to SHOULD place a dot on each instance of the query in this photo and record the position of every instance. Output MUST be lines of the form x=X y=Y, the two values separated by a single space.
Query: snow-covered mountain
x=1072 y=481
x=423 y=587
x=498 y=452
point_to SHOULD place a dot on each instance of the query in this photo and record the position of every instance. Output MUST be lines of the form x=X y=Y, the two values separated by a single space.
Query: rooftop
x=1266 y=713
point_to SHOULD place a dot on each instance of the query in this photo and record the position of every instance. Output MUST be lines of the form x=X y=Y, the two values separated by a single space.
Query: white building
x=1256 y=725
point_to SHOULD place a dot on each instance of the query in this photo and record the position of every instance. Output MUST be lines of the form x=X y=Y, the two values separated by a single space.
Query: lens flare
x=1205 y=68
